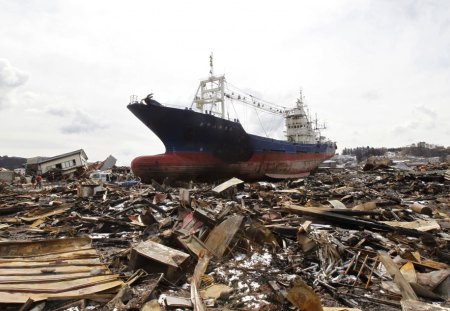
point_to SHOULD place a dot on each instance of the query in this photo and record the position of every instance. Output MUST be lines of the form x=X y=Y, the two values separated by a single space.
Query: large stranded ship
x=203 y=143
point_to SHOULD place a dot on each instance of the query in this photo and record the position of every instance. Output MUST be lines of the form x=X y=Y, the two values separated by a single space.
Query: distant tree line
x=419 y=150
x=12 y=162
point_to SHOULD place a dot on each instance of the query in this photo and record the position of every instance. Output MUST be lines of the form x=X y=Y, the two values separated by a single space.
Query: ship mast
x=211 y=92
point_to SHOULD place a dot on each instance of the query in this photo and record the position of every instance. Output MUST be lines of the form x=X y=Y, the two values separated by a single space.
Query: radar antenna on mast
x=211 y=65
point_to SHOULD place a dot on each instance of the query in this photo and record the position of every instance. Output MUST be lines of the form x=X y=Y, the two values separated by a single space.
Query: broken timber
x=61 y=268
x=348 y=221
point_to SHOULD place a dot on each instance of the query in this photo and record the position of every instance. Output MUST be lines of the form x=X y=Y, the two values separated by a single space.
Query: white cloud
x=81 y=122
x=422 y=120
x=11 y=78
x=426 y=111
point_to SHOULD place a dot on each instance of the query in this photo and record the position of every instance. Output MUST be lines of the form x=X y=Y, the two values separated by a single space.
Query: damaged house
x=63 y=164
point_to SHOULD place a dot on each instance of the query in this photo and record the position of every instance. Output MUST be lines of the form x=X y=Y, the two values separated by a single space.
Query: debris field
x=341 y=239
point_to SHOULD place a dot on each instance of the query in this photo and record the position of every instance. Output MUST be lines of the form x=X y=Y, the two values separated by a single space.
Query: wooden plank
x=303 y=297
x=76 y=254
x=216 y=243
x=158 y=252
x=221 y=236
x=22 y=297
x=346 y=221
x=44 y=270
x=406 y=289
x=48 y=214
x=51 y=262
x=413 y=305
x=35 y=248
x=408 y=272
x=56 y=268
x=58 y=287
x=199 y=270
x=45 y=277
x=420 y=225
x=229 y=183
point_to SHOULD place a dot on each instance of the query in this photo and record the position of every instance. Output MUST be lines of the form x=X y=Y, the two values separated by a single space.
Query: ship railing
x=176 y=106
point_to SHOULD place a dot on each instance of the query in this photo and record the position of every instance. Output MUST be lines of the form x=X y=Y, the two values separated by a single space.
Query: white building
x=66 y=163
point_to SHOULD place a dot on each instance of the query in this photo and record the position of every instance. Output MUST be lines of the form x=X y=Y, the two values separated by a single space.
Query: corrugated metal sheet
x=50 y=269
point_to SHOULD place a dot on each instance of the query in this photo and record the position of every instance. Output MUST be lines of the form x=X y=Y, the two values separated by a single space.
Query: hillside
x=12 y=162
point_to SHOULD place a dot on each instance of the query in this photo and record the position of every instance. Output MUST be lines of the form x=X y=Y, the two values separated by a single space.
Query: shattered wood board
x=414 y=305
x=215 y=291
x=303 y=297
x=178 y=302
x=420 y=225
x=337 y=204
x=160 y=253
x=10 y=249
x=229 y=183
x=221 y=236
x=57 y=268
x=347 y=221
x=405 y=288
x=193 y=244
x=47 y=214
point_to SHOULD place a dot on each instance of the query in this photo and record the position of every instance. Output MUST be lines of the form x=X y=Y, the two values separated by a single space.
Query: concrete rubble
x=352 y=238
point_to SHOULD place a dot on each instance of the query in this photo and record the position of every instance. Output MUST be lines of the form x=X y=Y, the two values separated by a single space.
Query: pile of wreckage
x=347 y=239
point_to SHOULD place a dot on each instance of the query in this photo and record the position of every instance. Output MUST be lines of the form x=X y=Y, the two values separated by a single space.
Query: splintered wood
x=63 y=268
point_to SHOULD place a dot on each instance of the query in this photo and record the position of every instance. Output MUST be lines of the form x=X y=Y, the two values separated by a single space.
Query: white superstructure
x=299 y=128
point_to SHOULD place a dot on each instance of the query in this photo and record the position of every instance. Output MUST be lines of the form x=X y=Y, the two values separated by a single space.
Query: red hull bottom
x=204 y=166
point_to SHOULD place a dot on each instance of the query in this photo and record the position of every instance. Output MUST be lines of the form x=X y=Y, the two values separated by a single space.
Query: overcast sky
x=377 y=72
